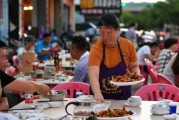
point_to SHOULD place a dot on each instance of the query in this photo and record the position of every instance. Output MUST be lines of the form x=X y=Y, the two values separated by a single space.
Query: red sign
x=47 y=14
x=1 y=9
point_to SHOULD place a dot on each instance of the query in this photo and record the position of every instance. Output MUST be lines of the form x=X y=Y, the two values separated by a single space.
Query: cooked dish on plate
x=128 y=77
x=114 y=113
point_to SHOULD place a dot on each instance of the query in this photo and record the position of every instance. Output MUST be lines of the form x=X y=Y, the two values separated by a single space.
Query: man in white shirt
x=78 y=51
x=29 y=46
x=147 y=51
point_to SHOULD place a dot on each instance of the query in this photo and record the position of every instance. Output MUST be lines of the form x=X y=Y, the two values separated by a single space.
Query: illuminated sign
x=100 y=6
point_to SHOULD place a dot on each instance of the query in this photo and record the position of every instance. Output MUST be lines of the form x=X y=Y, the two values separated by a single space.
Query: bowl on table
x=159 y=109
x=134 y=101
x=57 y=95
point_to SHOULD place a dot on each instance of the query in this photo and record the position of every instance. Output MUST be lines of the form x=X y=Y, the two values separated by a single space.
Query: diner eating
x=11 y=83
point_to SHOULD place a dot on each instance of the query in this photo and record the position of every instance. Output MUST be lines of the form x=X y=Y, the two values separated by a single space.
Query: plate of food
x=114 y=114
x=127 y=79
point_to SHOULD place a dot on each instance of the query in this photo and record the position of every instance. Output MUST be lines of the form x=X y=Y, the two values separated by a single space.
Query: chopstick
x=18 y=109
x=52 y=101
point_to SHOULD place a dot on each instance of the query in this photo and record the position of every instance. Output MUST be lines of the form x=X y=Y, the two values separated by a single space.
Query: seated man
x=150 y=51
x=11 y=83
x=78 y=51
x=28 y=46
x=171 y=46
x=43 y=48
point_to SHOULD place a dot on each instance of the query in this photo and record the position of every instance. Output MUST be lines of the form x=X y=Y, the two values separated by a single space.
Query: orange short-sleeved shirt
x=112 y=55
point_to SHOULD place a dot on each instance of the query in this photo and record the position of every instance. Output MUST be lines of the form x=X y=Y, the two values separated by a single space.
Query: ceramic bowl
x=134 y=101
x=159 y=108
x=57 y=95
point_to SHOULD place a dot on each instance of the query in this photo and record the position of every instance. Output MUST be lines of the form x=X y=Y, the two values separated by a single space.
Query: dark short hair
x=46 y=35
x=109 y=20
x=154 y=44
x=80 y=43
x=2 y=44
x=169 y=42
x=29 y=38
x=132 y=24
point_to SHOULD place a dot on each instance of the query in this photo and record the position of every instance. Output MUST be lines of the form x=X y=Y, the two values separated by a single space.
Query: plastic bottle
x=63 y=57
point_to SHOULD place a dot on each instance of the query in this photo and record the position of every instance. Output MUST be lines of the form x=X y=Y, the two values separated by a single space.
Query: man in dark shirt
x=10 y=83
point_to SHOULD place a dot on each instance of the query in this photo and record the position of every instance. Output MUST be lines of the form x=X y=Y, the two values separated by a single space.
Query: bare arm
x=153 y=57
x=93 y=73
x=4 y=103
x=134 y=67
x=28 y=86
x=43 y=53
x=17 y=70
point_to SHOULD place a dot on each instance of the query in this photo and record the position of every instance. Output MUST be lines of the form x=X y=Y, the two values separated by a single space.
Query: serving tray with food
x=127 y=79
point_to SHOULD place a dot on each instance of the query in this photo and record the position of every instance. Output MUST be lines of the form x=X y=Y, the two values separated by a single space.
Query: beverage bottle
x=60 y=63
x=56 y=62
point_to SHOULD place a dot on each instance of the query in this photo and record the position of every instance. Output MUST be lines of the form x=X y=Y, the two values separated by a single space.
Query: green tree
x=154 y=16
x=127 y=18
x=173 y=11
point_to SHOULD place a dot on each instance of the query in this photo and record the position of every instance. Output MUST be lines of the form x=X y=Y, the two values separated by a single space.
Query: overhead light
x=29 y=27
x=26 y=8
x=30 y=7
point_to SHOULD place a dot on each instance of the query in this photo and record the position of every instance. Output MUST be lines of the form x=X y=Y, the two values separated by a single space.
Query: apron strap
x=104 y=51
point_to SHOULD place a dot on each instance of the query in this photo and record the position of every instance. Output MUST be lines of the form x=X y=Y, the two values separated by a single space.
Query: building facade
x=31 y=16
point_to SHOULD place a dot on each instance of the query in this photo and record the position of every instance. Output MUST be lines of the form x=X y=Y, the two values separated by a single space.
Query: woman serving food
x=111 y=55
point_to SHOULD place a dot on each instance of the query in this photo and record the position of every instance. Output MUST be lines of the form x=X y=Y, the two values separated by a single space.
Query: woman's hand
x=99 y=97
